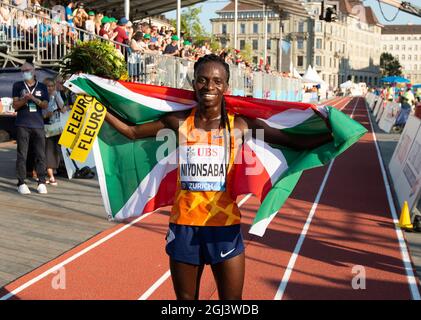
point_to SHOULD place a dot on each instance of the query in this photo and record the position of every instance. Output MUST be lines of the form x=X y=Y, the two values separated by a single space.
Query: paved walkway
x=37 y=228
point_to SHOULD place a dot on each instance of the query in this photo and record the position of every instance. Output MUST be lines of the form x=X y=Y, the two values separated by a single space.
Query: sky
x=211 y=6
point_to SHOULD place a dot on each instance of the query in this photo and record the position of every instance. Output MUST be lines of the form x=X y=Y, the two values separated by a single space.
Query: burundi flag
x=136 y=178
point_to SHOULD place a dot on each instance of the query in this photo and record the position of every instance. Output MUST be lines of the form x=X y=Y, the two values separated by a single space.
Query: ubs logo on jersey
x=207 y=152
x=38 y=93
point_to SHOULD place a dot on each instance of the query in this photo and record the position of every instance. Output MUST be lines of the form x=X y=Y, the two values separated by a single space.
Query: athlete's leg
x=229 y=277
x=186 y=279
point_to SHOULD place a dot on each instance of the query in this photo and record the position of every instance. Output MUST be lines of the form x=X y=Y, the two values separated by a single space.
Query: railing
x=46 y=40
x=173 y=72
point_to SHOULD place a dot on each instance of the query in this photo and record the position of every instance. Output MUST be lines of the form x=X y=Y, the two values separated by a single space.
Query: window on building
x=224 y=29
x=242 y=44
x=409 y=57
x=384 y=48
x=268 y=60
x=330 y=62
x=403 y=47
x=318 y=43
x=403 y=57
x=318 y=26
x=300 y=26
x=269 y=44
x=300 y=44
x=242 y=28
x=255 y=44
x=255 y=28
x=300 y=61
x=397 y=47
x=391 y=47
x=318 y=61
x=269 y=30
x=255 y=59
x=223 y=43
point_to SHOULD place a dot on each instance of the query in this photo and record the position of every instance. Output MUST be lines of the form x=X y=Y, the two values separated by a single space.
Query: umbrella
x=395 y=79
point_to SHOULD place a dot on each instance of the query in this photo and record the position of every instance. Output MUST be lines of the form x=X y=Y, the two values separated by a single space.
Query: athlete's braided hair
x=224 y=114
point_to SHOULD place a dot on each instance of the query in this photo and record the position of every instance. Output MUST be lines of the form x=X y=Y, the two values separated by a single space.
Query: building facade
x=404 y=43
x=250 y=31
x=348 y=49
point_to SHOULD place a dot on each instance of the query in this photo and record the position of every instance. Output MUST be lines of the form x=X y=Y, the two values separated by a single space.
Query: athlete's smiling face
x=210 y=84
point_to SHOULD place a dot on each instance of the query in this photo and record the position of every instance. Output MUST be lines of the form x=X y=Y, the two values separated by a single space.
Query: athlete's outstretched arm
x=149 y=129
x=276 y=136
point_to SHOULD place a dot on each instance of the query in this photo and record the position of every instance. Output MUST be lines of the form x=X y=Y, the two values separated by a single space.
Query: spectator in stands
x=98 y=22
x=21 y=4
x=206 y=48
x=107 y=30
x=172 y=48
x=5 y=16
x=90 y=23
x=58 y=11
x=186 y=51
x=29 y=98
x=52 y=115
x=135 y=42
x=69 y=13
x=121 y=30
x=80 y=16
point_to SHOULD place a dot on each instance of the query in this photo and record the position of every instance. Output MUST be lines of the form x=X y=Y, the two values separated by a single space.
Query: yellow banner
x=93 y=121
x=75 y=122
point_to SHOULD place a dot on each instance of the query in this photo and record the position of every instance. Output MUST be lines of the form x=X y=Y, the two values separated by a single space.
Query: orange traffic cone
x=405 y=219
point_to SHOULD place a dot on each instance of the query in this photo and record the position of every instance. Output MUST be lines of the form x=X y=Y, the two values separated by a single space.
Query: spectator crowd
x=59 y=24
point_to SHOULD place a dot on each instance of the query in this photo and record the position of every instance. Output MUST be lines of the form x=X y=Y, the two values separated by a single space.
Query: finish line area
x=334 y=238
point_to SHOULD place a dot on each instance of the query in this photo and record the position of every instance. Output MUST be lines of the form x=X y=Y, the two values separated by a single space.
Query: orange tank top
x=205 y=169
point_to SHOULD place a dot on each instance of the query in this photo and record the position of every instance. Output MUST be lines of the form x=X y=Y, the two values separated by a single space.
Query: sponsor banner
x=379 y=104
x=75 y=121
x=389 y=116
x=82 y=127
x=405 y=165
x=380 y=112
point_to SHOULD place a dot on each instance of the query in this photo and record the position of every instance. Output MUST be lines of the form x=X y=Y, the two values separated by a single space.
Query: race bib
x=203 y=167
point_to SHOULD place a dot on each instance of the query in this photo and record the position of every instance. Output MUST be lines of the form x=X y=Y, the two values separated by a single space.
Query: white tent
x=296 y=74
x=311 y=76
x=347 y=84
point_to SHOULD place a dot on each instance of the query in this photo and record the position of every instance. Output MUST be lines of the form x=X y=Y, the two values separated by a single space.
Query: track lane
x=98 y=266
x=352 y=227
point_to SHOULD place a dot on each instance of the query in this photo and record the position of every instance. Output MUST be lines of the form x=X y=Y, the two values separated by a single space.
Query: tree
x=190 y=24
x=390 y=65
x=192 y=27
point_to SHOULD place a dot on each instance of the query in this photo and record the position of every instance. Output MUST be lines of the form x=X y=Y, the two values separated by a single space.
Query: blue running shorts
x=203 y=245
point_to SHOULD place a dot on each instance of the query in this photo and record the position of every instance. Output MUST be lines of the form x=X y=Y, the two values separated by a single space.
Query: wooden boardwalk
x=35 y=229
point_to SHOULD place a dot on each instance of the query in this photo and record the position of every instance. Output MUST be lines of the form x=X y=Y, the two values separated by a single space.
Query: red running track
x=350 y=226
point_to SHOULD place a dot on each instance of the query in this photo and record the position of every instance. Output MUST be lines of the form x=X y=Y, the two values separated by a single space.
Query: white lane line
x=167 y=274
x=72 y=258
x=412 y=280
x=155 y=286
x=290 y=267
